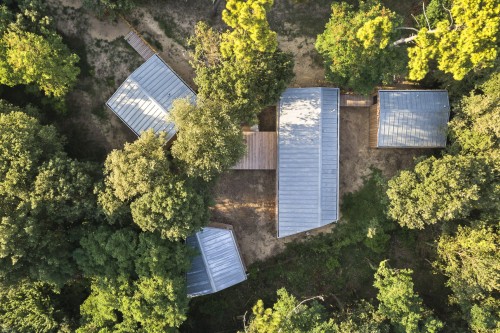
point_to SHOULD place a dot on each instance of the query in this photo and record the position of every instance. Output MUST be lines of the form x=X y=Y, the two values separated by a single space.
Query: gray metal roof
x=308 y=159
x=413 y=118
x=218 y=266
x=145 y=98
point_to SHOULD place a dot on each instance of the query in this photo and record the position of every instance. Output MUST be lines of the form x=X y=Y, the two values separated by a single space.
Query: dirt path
x=246 y=199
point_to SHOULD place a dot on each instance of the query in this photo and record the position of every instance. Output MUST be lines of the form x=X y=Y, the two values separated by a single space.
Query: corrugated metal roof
x=219 y=264
x=413 y=118
x=145 y=98
x=308 y=159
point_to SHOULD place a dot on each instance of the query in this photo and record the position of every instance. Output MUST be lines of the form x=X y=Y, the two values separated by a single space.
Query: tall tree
x=140 y=186
x=241 y=67
x=366 y=47
x=471 y=260
x=355 y=46
x=31 y=52
x=400 y=303
x=208 y=141
x=138 y=282
x=442 y=189
x=45 y=198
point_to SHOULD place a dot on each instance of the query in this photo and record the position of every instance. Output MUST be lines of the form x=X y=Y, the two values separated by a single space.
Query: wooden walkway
x=140 y=45
x=261 y=152
x=355 y=100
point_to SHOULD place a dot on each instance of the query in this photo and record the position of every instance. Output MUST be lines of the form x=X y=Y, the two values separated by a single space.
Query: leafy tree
x=399 y=302
x=208 y=141
x=138 y=281
x=140 y=185
x=31 y=52
x=44 y=199
x=442 y=189
x=44 y=60
x=365 y=47
x=241 y=68
x=251 y=32
x=110 y=8
x=471 y=261
x=465 y=41
x=28 y=307
x=355 y=46
x=475 y=128
x=288 y=315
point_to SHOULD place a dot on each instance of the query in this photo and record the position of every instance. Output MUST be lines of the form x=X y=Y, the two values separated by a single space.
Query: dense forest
x=92 y=239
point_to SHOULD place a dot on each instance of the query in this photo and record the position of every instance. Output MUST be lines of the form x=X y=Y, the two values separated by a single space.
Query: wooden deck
x=261 y=152
x=355 y=100
x=140 y=45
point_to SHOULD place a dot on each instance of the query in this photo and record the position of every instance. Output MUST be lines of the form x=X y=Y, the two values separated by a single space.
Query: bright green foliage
x=475 y=128
x=400 y=304
x=355 y=48
x=362 y=318
x=209 y=142
x=138 y=281
x=44 y=199
x=110 y=8
x=140 y=184
x=26 y=308
x=27 y=58
x=251 y=32
x=31 y=52
x=467 y=43
x=471 y=260
x=247 y=80
x=442 y=189
x=288 y=315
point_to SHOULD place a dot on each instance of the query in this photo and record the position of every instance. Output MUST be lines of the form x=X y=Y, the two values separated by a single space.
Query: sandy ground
x=246 y=199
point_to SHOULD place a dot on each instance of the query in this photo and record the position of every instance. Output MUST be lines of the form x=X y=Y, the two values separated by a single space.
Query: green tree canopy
x=45 y=198
x=366 y=47
x=140 y=186
x=28 y=307
x=31 y=52
x=289 y=315
x=475 y=127
x=208 y=142
x=465 y=40
x=442 y=189
x=471 y=260
x=400 y=303
x=355 y=46
x=138 y=281
x=242 y=67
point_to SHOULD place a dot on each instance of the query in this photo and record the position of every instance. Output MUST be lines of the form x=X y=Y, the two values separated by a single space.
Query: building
x=409 y=119
x=144 y=100
x=218 y=265
x=308 y=159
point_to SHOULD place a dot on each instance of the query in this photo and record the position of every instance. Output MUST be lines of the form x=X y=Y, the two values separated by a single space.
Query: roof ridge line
x=202 y=250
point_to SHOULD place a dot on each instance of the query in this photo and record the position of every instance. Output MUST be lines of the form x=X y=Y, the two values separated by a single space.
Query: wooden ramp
x=261 y=152
x=355 y=101
x=140 y=45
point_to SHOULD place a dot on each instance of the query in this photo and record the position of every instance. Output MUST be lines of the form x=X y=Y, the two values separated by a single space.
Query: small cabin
x=218 y=264
x=409 y=119
x=144 y=100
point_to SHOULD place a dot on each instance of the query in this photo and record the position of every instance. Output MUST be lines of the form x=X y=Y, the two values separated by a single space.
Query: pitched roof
x=218 y=265
x=144 y=100
x=308 y=159
x=413 y=118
